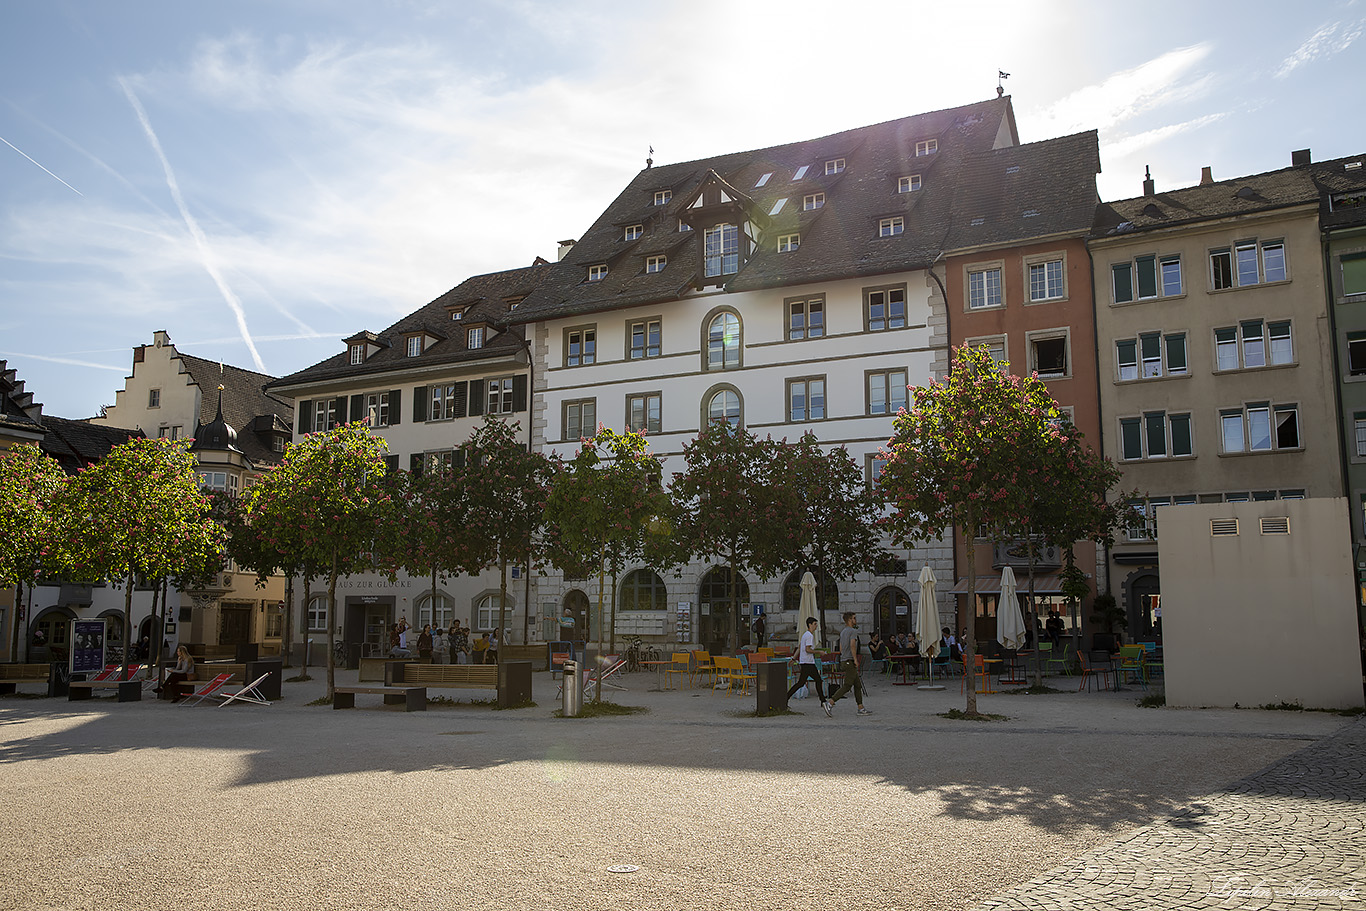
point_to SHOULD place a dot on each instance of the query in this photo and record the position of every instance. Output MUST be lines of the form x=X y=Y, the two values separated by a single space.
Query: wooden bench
x=447 y=676
x=11 y=675
x=413 y=698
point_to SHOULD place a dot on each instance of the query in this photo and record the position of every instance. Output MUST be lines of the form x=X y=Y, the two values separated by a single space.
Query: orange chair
x=1089 y=671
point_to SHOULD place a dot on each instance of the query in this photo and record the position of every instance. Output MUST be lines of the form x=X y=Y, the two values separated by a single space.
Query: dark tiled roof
x=76 y=444
x=1021 y=192
x=838 y=240
x=1226 y=198
x=485 y=299
x=244 y=400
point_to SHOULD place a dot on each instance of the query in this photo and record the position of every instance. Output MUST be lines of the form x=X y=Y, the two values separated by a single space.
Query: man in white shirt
x=806 y=658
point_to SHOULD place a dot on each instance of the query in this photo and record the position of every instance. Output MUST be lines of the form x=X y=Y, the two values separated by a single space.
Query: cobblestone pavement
x=1291 y=836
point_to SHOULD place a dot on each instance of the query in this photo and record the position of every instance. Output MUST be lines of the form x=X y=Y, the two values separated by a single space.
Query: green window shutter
x=1124 y=283
x=458 y=458
x=357 y=407
x=458 y=400
x=1176 y=354
x=415 y=463
x=519 y=393
x=1131 y=438
x=1147 y=276
x=395 y=406
x=306 y=416
x=1157 y=433
x=478 y=389
x=1354 y=273
x=340 y=416
x=420 y=394
x=1181 y=434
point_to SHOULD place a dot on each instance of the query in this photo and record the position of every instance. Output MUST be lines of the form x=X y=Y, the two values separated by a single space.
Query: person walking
x=491 y=654
x=760 y=632
x=849 y=663
x=806 y=660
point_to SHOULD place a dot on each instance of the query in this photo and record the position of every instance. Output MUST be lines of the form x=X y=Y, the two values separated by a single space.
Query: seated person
x=183 y=670
x=877 y=648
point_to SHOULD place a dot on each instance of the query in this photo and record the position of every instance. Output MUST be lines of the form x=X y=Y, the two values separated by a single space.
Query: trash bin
x=270 y=687
x=770 y=686
x=573 y=690
x=514 y=683
x=58 y=680
x=353 y=655
x=247 y=651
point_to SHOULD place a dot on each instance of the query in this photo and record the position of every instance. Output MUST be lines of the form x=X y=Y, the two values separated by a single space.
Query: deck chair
x=209 y=689
x=109 y=673
x=612 y=666
x=248 y=693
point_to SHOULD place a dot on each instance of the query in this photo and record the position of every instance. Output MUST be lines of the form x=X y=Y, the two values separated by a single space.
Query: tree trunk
x=502 y=600
x=602 y=582
x=308 y=601
x=970 y=630
x=16 y=618
x=1033 y=617
x=127 y=623
x=612 y=617
x=156 y=593
x=287 y=622
x=331 y=620
x=731 y=599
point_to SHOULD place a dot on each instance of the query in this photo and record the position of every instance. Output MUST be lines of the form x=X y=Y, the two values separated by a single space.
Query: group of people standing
x=438 y=646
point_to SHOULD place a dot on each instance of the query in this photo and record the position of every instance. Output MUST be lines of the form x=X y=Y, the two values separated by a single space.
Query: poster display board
x=87 y=646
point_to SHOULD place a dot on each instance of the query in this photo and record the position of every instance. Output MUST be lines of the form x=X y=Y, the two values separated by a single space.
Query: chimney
x=162 y=338
x=1300 y=157
x=565 y=247
x=1148 y=187
x=1206 y=177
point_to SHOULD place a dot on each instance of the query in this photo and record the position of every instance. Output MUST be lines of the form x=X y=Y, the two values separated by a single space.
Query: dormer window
x=890 y=227
x=801 y=172
x=597 y=272
x=475 y=337
x=414 y=345
x=357 y=354
x=908 y=184
x=662 y=197
x=457 y=313
x=655 y=263
x=787 y=243
x=634 y=231
x=813 y=201
x=834 y=166
x=722 y=250
x=926 y=147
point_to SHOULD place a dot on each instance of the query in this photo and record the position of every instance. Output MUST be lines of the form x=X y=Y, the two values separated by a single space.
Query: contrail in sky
x=53 y=176
x=201 y=242
x=71 y=361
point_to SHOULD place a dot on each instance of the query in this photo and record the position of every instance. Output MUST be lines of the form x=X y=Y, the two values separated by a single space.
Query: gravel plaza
x=1078 y=800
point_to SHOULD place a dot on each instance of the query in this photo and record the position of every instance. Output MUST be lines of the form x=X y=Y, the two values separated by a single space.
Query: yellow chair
x=703 y=666
x=1131 y=663
x=681 y=667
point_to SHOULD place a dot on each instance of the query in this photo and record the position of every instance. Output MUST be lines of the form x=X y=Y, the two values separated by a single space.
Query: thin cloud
x=1330 y=39
x=1128 y=94
x=1127 y=145
x=200 y=240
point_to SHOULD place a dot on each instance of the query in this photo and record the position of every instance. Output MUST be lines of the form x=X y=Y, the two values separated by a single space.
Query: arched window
x=642 y=589
x=438 y=614
x=892 y=612
x=723 y=341
x=826 y=589
x=723 y=404
x=486 y=612
x=317 y=613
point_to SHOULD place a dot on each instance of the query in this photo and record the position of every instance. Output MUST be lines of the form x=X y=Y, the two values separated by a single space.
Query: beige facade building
x=240 y=430
x=1215 y=360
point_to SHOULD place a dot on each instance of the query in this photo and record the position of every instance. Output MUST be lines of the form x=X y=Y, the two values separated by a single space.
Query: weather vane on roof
x=1001 y=75
x=649 y=162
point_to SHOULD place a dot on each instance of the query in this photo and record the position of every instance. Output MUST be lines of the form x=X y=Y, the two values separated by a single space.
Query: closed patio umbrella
x=927 y=618
x=1010 y=627
x=807 y=606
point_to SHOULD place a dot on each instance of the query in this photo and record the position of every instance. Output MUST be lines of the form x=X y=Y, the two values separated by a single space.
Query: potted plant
x=1106 y=612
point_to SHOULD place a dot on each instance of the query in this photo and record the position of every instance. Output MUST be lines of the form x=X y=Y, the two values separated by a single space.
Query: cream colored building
x=1214 y=358
x=240 y=430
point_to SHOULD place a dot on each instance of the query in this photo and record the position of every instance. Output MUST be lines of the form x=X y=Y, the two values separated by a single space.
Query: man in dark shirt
x=849 y=663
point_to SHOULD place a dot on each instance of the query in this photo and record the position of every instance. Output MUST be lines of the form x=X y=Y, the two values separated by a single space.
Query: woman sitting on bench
x=183 y=670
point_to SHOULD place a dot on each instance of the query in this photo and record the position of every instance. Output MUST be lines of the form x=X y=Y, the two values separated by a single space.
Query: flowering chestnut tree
x=961 y=455
x=139 y=511
x=29 y=480
x=602 y=506
x=729 y=505
x=504 y=493
x=321 y=509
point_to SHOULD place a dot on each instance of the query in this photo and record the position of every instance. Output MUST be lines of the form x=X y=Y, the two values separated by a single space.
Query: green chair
x=1063 y=661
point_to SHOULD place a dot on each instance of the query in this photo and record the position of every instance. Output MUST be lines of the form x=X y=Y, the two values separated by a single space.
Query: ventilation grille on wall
x=1219 y=527
x=1276 y=525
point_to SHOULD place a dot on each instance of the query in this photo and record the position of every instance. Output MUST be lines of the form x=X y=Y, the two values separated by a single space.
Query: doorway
x=892 y=612
x=714 y=599
x=574 y=618
x=234 y=624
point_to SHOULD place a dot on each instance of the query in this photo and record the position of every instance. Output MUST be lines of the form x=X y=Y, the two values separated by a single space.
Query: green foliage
x=604 y=506
x=1154 y=701
x=1107 y=612
x=730 y=506
x=29 y=481
x=505 y=487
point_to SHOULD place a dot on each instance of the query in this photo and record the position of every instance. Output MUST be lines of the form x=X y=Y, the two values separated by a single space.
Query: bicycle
x=637 y=653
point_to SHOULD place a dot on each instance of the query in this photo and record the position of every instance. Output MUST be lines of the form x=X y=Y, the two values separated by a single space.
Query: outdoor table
x=986 y=673
x=905 y=661
x=659 y=671
x=1016 y=668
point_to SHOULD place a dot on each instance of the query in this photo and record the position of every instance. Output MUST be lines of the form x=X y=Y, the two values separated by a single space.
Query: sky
x=264 y=178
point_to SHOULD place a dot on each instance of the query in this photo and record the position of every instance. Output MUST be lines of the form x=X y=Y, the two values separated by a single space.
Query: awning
x=1044 y=584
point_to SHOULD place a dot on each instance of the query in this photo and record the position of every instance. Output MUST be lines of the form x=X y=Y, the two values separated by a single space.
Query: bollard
x=573 y=689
